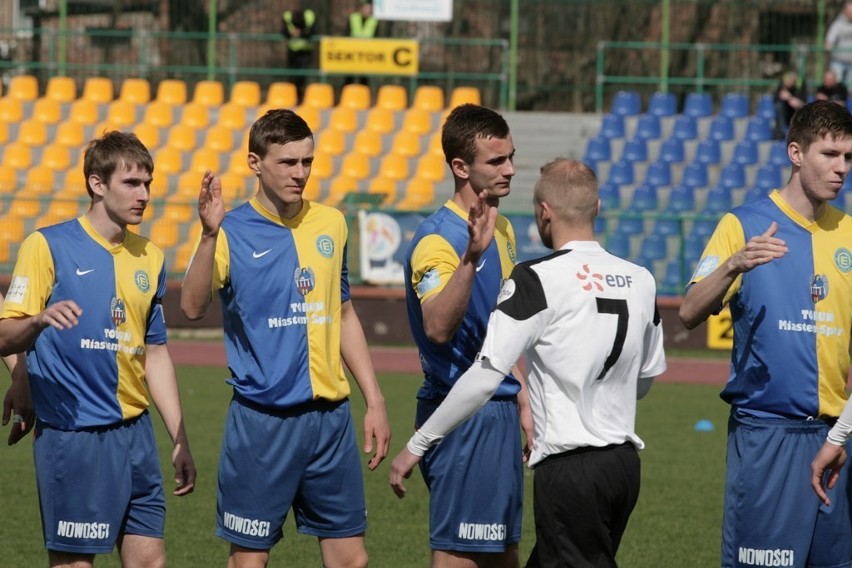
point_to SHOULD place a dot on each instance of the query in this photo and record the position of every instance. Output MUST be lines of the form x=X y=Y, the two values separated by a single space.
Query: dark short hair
x=103 y=155
x=464 y=125
x=817 y=120
x=277 y=126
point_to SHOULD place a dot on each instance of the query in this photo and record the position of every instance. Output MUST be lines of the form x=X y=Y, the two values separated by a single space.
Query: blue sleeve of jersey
x=156 y=331
x=344 y=276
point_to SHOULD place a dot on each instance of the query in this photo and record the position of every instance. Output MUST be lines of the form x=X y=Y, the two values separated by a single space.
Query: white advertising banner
x=414 y=10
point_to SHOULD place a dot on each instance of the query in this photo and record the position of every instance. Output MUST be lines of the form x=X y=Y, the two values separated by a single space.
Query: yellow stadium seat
x=74 y=182
x=40 y=180
x=429 y=98
x=322 y=166
x=180 y=212
x=150 y=212
x=187 y=186
x=463 y=95
x=319 y=96
x=56 y=156
x=8 y=179
x=313 y=189
x=339 y=187
x=84 y=111
x=204 y=159
x=195 y=114
x=311 y=115
x=355 y=96
x=12 y=230
x=167 y=162
x=431 y=167
x=368 y=142
x=219 y=138
x=164 y=233
x=61 y=89
x=148 y=134
x=385 y=186
x=209 y=93
x=417 y=121
x=392 y=97
x=331 y=142
x=183 y=254
x=135 y=91
x=435 y=146
x=11 y=110
x=98 y=90
x=4 y=133
x=282 y=94
x=17 y=155
x=47 y=111
x=238 y=163
x=121 y=113
x=105 y=126
x=355 y=166
x=419 y=193
x=380 y=120
x=344 y=119
x=70 y=133
x=32 y=133
x=159 y=184
x=233 y=116
x=171 y=92
x=25 y=207
x=182 y=137
x=23 y=88
x=158 y=113
x=246 y=93
x=62 y=209
x=406 y=144
x=234 y=187
x=394 y=166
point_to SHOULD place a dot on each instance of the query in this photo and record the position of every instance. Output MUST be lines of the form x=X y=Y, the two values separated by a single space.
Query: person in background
x=298 y=26
x=838 y=44
x=790 y=95
x=831 y=89
x=362 y=24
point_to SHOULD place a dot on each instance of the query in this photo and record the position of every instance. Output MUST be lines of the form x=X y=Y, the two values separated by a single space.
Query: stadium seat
x=182 y=137
x=331 y=142
x=695 y=175
x=159 y=114
x=630 y=225
x=674 y=279
x=40 y=180
x=234 y=187
x=778 y=154
x=759 y=129
x=654 y=247
x=693 y=247
x=148 y=134
x=4 y=133
x=171 y=92
x=417 y=121
x=685 y=127
x=435 y=145
x=754 y=193
x=662 y=104
x=659 y=174
x=165 y=233
x=323 y=164
x=47 y=111
x=344 y=119
x=232 y=116
x=769 y=177
x=405 y=143
x=610 y=197
x=313 y=189
x=355 y=96
x=121 y=113
x=368 y=142
x=99 y=90
x=431 y=167
x=464 y=95
x=33 y=133
x=745 y=152
x=380 y=120
x=135 y=91
x=672 y=151
x=84 y=111
x=418 y=194
x=721 y=128
x=25 y=207
x=626 y=103
x=719 y=200
x=195 y=114
x=383 y=186
x=392 y=97
x=23 y=88
x=429 y=98
x=612 y=126
x=70 y=133
x=394 y=166
x=238 y=163
x=703 y=227
x=698 y=105
x=765 y=107
x=17 y=155
x=339 y=188
x=12 y=230
x=598 y=149
x=355 y=166
x=735 y=105
x=319 y=96
x=245 y=93
x=621 y=173
x=61 y=89
x=11 y=110
x=733 y=175
x=618 y=243
x=667 y=226
x=648 y=127
x=208 y=93
x=644 y=199
x=311 y=115
x=635 y=150
x=708 y=151
x=8 y=179
x=282 y=94
x=600 y=225
x=56 y=156
x=681 y=200
x=205 y=159
x=219 y=139
x=168 y=162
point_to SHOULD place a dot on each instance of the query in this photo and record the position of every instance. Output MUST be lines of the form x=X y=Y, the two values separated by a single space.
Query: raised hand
x=759 y=250
x=211 y=206
x=481 y=220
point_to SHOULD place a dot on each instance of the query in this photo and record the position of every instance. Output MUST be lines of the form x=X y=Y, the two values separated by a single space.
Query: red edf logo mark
x=590 y=279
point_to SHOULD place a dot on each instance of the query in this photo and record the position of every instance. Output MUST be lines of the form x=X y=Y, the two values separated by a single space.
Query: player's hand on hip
x=401 y=468
x=825 y=469
x=759 y=250
x=211 y=205
x=61 y=315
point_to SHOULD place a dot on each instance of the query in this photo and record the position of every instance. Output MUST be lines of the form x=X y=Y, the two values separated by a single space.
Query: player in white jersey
x=588 y=325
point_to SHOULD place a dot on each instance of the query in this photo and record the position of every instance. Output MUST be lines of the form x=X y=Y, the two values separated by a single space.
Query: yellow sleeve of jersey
x=32 y=279
x=433 y=262
x=221 y=262
x=726 y=240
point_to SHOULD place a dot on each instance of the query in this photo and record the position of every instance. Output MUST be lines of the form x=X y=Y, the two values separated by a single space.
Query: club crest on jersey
x=142 y=281
x=304 y=278
x=819 y=287
x=511 y=251
x=117 y=312
x=325 y=246
x=589 y=280
x=843 y=259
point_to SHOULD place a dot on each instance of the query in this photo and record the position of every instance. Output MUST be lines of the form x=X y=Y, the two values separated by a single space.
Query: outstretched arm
x=825 y=469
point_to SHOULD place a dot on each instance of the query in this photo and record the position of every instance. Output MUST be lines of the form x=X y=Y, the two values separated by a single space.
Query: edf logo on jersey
x=595 y=280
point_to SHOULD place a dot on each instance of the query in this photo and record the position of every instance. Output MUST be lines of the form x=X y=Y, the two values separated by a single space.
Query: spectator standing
x=838 y=42
x=299 y=29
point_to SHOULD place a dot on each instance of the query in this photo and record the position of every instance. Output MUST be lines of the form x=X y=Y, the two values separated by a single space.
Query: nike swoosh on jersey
x=82 y=272
x=481 y=264
x=256 y=254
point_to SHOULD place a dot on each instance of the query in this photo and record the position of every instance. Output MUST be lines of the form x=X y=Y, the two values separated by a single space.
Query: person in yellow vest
x=298 y=27
x=362 y=24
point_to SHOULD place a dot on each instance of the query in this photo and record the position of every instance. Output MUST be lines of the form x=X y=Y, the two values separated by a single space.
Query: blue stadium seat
x=644 y=199
x=685 y=127
x=629 y=225
x=703 y=227
x=693 y=247
x=658 y=174
x=635 y=150
x=644 y=262
x=621 y=173
x=769 y=177
x=721 y=128
x=654 y=247
x=648 y=126
x=600 y=225
x=667 y=226
x=698 y=105
x=758 y=129
x=681 y=200
x=847 y=184
x=598 y=149
x=618 y=244
x=610 y=197
x=733 y=176
x=626 y=103
x=612 y=126
x=719 y=200
x=672 y=151
x=765 y=107
x=709 y=151
x=695 y=175
x=778 y=154
x=745 y=152
x=674 y=278
x=735 y=105
x=662 y=104
x=755 y=192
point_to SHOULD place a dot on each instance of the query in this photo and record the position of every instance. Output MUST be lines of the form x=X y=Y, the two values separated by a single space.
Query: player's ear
x=97 y=185
x=794 y=152
x=460 y=168
x=254 y=163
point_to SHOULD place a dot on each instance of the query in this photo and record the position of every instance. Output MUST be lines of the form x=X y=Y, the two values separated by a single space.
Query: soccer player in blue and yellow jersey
x=279 y=265
x=783 y=265
x=454 y=268
x=85 y=304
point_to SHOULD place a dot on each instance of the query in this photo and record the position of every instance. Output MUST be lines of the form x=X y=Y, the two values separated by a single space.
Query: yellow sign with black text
x=720 y=331
x=369 y=56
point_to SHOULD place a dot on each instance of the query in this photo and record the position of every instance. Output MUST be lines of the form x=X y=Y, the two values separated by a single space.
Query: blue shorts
x=772 y=516
x=475 y=480
x=99 y=483
x=306 y=458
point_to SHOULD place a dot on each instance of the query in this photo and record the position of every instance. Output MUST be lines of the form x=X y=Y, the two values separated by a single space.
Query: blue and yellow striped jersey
x=282 y=283
x=433 y=255
x=792 y=317
x=92 y=374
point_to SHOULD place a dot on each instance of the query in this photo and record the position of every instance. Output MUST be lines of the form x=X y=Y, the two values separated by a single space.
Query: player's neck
x=795 y=196
x=111 y=230
x=465 y=197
